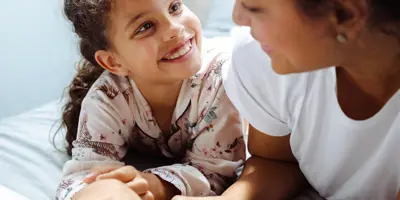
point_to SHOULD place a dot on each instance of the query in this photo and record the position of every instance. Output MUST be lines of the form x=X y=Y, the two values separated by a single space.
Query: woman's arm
x=215 y=145
x=271 y=172
x=107 y=189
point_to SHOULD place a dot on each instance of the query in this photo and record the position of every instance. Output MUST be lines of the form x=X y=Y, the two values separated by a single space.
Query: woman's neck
x=370 y=77
x=380 y=83
x=375 y=67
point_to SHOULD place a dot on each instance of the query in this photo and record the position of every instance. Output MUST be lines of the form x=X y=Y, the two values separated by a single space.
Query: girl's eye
x=145 y=27
x=175 y=7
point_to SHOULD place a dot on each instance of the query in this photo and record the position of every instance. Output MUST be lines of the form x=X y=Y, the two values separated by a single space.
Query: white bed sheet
x=29 y=164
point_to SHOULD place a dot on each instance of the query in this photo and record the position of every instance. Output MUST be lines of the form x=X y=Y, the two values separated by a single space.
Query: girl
x=158 y=95
x=334 y=122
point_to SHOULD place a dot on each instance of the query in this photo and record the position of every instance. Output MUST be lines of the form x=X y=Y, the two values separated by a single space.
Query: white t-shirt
x=341 y=158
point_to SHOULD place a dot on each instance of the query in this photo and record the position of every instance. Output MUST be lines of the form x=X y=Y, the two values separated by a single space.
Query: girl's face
x=152 y=41
x=294 y=42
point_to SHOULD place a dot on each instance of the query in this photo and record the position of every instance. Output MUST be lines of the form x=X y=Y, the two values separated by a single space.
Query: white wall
x=37 y=54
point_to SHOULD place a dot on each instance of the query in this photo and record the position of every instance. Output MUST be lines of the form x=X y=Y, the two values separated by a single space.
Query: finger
x=196 y=198
x=98 y=170
x=105 y=169
x=90 y=178
x=139 y=185
x=124 y=174
x=147 y=196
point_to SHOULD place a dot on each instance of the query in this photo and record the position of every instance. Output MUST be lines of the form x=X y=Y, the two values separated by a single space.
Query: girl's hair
x=89 y=19
x=381 y=12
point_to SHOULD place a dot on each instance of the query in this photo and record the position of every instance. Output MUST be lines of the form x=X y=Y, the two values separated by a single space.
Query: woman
x=335 y=124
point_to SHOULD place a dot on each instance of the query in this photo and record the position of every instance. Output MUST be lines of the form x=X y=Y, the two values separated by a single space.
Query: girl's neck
x=161 y=95
x=162 y=100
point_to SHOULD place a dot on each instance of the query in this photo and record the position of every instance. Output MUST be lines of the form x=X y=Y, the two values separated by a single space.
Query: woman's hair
x=381 y=12
x=89 y=19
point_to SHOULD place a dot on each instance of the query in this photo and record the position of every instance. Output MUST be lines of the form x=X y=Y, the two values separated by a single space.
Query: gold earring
x=342 y=38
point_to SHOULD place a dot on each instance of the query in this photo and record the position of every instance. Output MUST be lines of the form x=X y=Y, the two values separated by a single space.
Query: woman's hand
x=133 y=178
x=106 y=190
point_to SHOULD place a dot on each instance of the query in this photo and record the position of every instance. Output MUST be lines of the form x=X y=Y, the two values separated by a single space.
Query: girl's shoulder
x=110 y=84
x=110 y=89
x=214 y=55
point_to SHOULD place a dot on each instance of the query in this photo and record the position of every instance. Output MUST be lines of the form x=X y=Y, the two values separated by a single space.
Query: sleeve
x=260 y=95
x=100 y=139
x=217 y=148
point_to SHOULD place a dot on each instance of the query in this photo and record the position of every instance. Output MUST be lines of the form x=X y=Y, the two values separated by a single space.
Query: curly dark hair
x=89 y=19
x=381 y=12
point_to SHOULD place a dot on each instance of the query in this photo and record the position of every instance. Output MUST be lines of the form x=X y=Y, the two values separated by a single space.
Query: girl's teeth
x=181 y=52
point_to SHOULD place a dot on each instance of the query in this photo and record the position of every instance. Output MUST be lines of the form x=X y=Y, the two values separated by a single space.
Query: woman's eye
x=175 y=7
x=145 y=27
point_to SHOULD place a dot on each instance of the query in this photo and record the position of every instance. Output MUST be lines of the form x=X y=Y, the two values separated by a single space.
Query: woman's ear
x=109 y=62
x=349 y=17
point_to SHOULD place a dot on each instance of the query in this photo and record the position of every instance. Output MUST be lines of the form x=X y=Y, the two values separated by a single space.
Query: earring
x=342 y=38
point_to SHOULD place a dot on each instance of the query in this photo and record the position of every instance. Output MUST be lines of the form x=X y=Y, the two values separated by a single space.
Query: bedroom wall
x=38 y=50
x=37 y=54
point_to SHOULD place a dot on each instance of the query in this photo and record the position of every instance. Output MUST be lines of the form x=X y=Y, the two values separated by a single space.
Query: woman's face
x=295 y=42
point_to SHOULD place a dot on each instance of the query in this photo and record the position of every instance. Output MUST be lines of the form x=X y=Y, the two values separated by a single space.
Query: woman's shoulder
x=251 y=68
x=257 y=90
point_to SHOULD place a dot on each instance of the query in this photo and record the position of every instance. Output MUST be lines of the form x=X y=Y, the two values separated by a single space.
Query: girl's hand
x=126 y=174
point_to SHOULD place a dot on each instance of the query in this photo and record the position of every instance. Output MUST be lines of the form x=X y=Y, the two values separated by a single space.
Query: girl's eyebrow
x=134 y=19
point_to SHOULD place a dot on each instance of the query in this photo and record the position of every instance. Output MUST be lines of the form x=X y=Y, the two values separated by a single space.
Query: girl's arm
x=216 y=148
